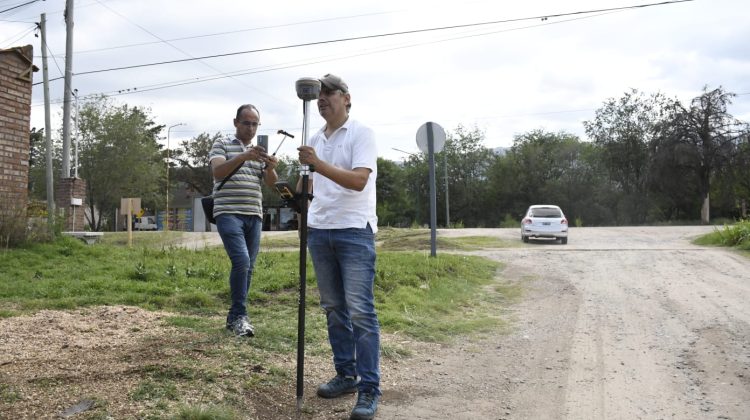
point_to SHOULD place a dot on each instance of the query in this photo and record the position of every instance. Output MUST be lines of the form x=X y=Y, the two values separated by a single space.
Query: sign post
x=129 y=206
x=430 y=140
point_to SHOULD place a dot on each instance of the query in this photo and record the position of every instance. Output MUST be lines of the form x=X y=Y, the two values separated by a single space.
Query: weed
x=8 y=394
x=150 y=390
x=206 y=413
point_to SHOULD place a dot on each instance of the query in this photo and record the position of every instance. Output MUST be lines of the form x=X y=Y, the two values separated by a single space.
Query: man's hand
x=270 y=161
x=307 y=155
x=257 y=153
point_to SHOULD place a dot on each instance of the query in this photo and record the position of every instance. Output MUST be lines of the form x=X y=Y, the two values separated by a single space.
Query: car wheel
x=524 y=238
x=563 y=241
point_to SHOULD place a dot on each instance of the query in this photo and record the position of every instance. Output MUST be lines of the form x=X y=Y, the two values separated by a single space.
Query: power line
x=389 y=34
x=17 y=37
x=185 y=52
x=263 y=69
x=20 y=5
x=284 y=25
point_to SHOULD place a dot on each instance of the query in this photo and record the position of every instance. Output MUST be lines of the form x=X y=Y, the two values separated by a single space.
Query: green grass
x=211 y=412
x=392 y=239
x=736 y=235
x=431 y=299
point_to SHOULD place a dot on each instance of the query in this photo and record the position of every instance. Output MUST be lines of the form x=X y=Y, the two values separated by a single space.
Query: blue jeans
x=344 y=261
x=241 y=237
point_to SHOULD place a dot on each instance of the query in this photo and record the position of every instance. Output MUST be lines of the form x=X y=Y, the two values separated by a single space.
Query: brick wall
x=66 y=190
x=16 y=69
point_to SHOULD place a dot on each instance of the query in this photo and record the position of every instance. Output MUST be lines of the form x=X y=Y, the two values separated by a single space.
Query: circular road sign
x=438 y=137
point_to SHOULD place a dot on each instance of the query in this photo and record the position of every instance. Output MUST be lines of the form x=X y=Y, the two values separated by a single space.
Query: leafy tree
x=37 y=164
x=468 y=164
x=705 y=138
x=119 y=157
x=416 y=178
x=549 y=168
x=739 y=179
x=623 y=130
x=394 y=206
x=192 y=160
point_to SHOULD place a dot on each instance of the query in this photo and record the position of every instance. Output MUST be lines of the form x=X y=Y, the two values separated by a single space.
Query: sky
x=505 y=68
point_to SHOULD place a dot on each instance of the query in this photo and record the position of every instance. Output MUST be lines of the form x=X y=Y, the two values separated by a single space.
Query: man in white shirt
x=341 y=238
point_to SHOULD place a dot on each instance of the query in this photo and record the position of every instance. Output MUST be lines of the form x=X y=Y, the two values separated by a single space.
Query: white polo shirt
x=333 y=206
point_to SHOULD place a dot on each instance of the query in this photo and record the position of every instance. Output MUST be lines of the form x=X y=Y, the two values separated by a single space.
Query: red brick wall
x=66 y=190
x=16 y=69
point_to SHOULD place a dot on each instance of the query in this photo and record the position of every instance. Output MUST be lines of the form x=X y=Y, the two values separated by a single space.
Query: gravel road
x=620 y=323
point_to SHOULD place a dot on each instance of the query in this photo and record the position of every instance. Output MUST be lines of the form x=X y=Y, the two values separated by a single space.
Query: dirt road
x=621 y=323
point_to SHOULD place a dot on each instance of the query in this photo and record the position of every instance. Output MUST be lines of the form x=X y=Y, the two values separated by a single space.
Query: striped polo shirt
x=241 y=194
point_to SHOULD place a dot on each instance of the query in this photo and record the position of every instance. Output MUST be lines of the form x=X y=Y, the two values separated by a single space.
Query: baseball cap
x=333 y=82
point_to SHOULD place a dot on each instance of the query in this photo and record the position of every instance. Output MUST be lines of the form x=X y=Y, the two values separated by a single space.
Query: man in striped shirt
x=238 y=207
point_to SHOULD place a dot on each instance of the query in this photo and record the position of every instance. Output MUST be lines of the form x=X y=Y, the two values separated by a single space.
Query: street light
x=166 y=212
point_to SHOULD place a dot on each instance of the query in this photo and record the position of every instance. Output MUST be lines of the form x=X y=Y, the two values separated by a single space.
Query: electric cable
x=383 y=35
x=17 y=37
x=20 y=5
x=218 y=71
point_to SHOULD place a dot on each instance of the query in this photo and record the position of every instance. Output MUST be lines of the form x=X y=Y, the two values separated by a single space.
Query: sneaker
x=367 y=405
x=338 y=386
x=241 y=327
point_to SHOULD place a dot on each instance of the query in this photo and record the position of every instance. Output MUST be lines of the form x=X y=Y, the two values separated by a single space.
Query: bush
x=12 y=226
x=510 y=222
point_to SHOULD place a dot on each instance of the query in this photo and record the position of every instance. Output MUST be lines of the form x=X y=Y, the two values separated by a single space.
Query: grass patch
x=8 y=394
x=424 y=298
x=211 y=412
x=151 y=390
x=477 y=242
x=392 y=239
x=736 y=235
x=432 y=298
x=283 y=240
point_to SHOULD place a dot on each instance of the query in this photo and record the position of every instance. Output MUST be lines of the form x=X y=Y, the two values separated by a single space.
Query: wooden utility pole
x=47 y=128
x=68 y=90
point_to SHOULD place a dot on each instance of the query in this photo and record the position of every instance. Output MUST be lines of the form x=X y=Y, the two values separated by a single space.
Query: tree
x=416 y=177
x=120 y=157
x=394 y=206
x=37 y=164
x=739 y=178
x=705 y=137
x=192 y=158
x=468 y=191
x=623 y=130
x=549 y=168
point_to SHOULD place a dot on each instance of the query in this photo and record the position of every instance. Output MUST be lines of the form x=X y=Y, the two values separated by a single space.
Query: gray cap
x=333 y=82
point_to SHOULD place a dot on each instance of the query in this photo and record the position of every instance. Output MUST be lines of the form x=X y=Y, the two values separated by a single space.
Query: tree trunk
x=705 y=216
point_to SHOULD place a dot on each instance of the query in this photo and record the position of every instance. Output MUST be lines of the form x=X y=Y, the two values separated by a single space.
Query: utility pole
x=166 y=213
x=78 y=136
x=47 y=127
x=447 y=206
x=68 y=91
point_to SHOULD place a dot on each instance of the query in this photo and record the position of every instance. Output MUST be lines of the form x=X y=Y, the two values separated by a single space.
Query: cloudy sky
x=500 y=66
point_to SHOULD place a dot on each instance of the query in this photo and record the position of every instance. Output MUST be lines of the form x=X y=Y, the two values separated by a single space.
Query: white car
x=544 y=221
x=145 y=223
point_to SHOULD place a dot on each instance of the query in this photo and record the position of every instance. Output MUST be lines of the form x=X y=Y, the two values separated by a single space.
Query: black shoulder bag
x=208 y=202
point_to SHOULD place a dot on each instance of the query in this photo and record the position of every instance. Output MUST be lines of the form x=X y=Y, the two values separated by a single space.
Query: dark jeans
x=241 y=237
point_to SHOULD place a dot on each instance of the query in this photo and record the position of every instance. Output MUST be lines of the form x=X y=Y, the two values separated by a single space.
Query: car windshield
x=546 y=212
